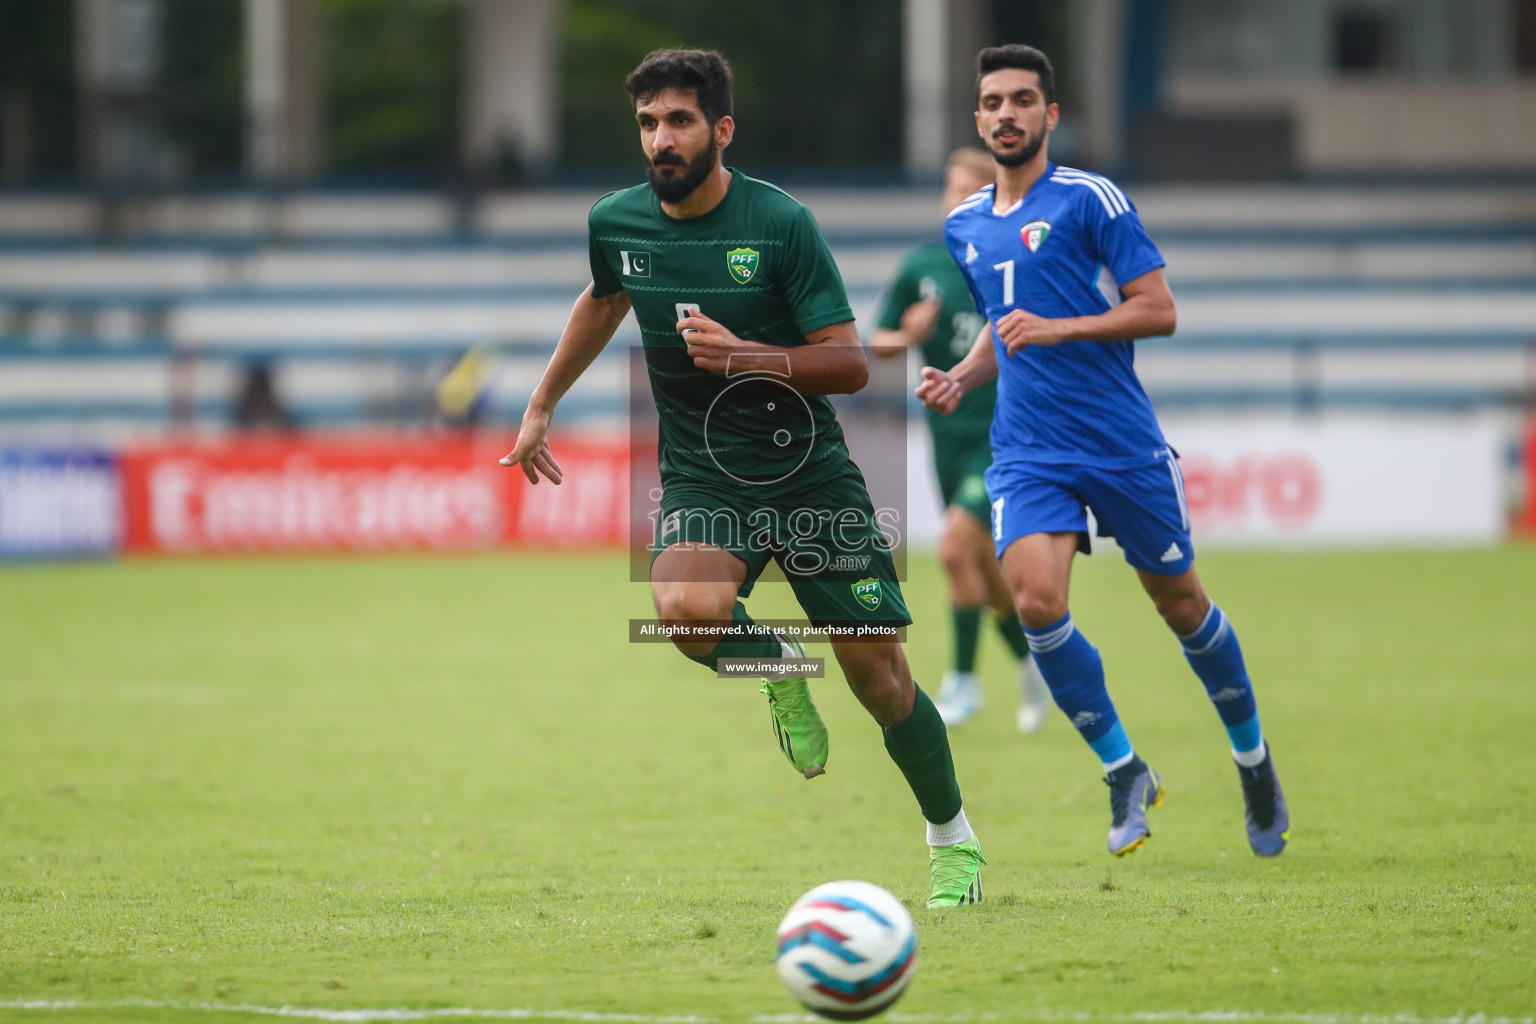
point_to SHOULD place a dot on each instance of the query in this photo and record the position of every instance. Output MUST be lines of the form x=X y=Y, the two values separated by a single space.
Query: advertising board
x=59 y=503
x=374 y=493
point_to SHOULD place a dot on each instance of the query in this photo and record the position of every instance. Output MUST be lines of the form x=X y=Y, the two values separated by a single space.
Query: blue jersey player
x=1073 y=430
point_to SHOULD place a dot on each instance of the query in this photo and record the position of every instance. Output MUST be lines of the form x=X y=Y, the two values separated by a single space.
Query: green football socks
x=920 y=747
x=743 y=640
x=1012 y=630
x=967 y=623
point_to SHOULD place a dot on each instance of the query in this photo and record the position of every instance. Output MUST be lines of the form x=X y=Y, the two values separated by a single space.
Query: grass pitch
x=450 y=782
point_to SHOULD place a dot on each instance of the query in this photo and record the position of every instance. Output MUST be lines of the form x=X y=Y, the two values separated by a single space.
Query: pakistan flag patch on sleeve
x=742 y=264
x=867 y=593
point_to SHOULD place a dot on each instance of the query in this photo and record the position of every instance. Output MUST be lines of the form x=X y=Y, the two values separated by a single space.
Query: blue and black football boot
x=1269 y=820
x=1133 y=788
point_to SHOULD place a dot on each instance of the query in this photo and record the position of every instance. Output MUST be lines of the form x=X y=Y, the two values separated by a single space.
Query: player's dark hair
x=703 y=71
x=1016 y=55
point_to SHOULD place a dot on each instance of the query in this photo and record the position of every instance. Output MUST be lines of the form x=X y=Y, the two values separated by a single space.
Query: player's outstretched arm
x=830 y=363
x=1148 y=311
x=917 y=323
x=942 y=390
x=588 y=329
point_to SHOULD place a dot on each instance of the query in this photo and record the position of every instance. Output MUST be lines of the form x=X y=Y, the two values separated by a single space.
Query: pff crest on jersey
x=742 y=263
x=1034 y=234
x=867 y=593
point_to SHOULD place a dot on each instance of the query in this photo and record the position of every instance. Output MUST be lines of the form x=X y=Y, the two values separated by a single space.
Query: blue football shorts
x=1143 y=508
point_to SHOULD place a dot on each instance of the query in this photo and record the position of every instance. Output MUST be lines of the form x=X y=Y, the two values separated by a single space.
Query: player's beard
x=1020 y=157
x=676 y=189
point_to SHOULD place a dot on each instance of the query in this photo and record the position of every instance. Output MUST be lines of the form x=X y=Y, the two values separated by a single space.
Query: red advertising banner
x=372 y=493
x=1530 y=477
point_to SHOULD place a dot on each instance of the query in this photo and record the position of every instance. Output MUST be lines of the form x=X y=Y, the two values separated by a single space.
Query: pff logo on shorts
x=867 y=593
x=742 y=263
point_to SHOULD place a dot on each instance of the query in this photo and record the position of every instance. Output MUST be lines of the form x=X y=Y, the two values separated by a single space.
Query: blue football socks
x=1075 y=673
x=1215 y=655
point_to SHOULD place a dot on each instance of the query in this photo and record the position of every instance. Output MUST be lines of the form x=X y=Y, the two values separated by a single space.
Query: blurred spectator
x=256 y=403
x=461 y=393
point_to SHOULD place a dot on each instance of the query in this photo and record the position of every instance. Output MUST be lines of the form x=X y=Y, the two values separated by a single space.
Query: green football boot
x=797 y=725
x=955 y=874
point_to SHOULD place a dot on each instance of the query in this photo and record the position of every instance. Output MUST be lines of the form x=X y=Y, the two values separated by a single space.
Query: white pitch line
x=361 y=1016
x=1192 y=1017
x=401 y=1013
x=1239 y=1017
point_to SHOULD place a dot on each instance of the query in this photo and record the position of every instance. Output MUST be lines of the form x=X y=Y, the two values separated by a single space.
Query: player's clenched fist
x=532 y=449
x=710 y=344
x=1018 y=329
x=939 y=391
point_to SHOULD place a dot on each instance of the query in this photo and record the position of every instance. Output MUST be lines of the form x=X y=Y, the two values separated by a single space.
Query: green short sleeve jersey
x=758 y=264
x=930 y=273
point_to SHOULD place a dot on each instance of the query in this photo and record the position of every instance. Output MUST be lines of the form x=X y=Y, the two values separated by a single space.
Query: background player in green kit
x=746 y=330
x=928 y=305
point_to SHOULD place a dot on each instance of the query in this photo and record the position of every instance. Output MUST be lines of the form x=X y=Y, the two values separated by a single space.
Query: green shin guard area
x=920 y=747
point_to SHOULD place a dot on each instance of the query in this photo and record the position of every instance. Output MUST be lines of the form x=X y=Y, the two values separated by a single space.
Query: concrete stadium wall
x=1382 y=125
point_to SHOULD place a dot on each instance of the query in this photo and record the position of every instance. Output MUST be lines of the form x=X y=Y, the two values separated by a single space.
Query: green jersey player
x=746 y=329
x=928 y=306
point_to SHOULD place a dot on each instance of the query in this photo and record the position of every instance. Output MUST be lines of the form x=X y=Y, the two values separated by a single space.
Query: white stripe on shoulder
x=969 y=204
x=1105 y=186
x=1110 y=205
x=1104 y=200
x=1114 y=189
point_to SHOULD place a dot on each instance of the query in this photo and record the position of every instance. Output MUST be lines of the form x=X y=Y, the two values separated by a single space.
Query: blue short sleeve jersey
x=1078 y=402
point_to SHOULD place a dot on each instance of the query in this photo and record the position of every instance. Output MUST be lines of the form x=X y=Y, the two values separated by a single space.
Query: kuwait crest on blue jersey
x=1034 y=234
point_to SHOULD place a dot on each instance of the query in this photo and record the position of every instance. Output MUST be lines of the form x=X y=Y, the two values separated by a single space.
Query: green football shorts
x=962 y=467
x=826 y=538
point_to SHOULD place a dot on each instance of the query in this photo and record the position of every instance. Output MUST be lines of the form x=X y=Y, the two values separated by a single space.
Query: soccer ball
x=847 y=950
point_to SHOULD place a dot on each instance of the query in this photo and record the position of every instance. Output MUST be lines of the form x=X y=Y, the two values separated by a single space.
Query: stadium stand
x=129 y=315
